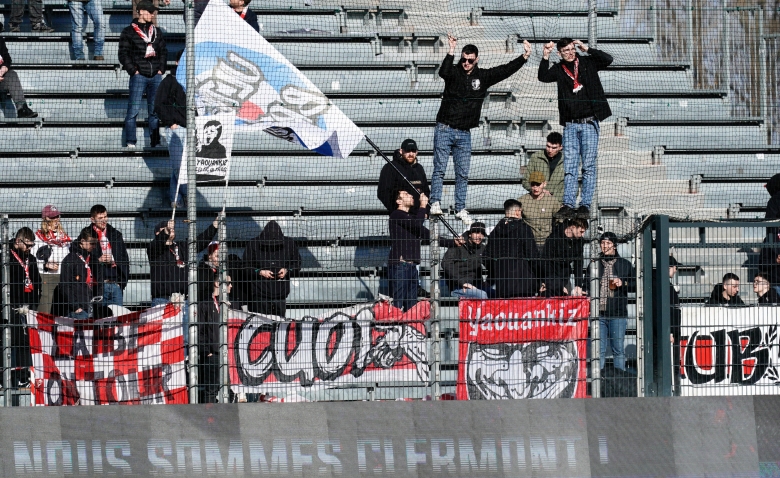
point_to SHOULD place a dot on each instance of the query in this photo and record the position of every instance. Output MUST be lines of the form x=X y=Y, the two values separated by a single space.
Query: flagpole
x=176 y=202
x=414 y=188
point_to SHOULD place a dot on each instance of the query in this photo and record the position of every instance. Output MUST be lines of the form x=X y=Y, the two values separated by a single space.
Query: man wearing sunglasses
x=465 y=89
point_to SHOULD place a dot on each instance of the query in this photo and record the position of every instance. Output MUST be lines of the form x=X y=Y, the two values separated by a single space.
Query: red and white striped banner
x=136 y=358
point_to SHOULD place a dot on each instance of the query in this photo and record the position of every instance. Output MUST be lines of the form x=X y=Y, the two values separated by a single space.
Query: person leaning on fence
x=510 y=255
x=73 y=296
x=581 y=105
x=36 y=16
x=241 y=7
x=170 y=104
x=675 y=322
x=25 y=292
x=79 y=11
x=52 y=244
x=390 y=181
x=10 y=83
x=727 y=292
x=465 y=89
x=144 y=56
x=462 y=266
x=562 y=259
x=549 y=163
x=538 y=208
x=765 y=293
x=271 y=259
x=111 y=264
x=616 y=280
x=209 y=320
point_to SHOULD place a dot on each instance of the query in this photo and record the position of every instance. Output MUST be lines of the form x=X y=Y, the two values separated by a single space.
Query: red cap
x=50 y=212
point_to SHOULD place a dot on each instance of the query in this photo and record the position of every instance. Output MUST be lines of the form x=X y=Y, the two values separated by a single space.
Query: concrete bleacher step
x=692 y=136
x=671 y=109
x=724 y=166
x=745 y=194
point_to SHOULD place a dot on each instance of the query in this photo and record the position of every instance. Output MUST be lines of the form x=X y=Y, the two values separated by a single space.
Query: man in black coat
x=25 y=291
x=144 y=56
x=769 y=264
x=462 y=265
x=616 y=279
x=241 y=7
x=675 y=322
x=727 y=292
x=10 y=83
x=170 y=104
x=765 y=293
x=582 y=104
x=773 y=207
x=270 y=259
x=510 y=253
x=405 y=159
x=111 y=263
x=77 y=280
x=209 y=320
x=562 y=257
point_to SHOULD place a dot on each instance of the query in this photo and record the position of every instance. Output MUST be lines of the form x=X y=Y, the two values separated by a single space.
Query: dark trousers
x=403 y=279
x=17 y=11
x=13 y=86
x=276 y=307
x=208 y=377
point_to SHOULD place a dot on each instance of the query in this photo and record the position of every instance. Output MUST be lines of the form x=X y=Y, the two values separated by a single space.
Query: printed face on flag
x=238 y=71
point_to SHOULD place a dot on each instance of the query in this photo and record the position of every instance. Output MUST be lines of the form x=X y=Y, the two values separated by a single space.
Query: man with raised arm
x=465 y=89
x=581 y=105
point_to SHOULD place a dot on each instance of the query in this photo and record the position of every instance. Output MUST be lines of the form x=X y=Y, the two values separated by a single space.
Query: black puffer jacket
x=617 y=303
x=73 y=289
x=271 y=250
x=17 y=276
x=510 y=252
x=120 y=270
x=132 y=51
x=170 y=104
x=390 y=180
x=562 y=257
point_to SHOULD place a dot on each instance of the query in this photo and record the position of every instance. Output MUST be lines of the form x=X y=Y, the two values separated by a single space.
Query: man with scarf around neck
x=616 y=280
x=270 y=259
x=168 y=264
x=241 y=7
x=25 y=292
x=77 y=280
x=170 y=106
x=52 y=244
x=582 y=104
x=144 y=56
x=111 y=264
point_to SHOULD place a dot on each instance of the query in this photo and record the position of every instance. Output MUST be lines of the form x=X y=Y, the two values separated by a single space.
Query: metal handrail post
x=435 y=318
x=224 y=375
x=4 y=229
x=192 y=198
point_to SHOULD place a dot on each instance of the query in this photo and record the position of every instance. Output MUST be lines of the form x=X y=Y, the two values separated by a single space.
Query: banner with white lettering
x=237 y=70
x=136 y=358
x=523 y=348
x=362 y=344
x=213 y=148
x=729 y=351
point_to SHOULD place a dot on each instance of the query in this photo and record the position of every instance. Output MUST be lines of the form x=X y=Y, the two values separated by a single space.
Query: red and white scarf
x=147 y=38
x=243 y=12
x=54 y=239
x=175 y=251
x=28 y=285
x=105 y=244
x=576 y=76
x=89 y=269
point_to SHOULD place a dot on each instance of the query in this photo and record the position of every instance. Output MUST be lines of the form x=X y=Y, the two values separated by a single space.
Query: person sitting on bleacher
x=510 y=254
x=726 y=293
x=79 y=10
x=36 y=16
x=548 y=162
x=144 y=56
x=241 y=7
x=462 y=266
x=765 y=293
x=75 y=291
x=538 y=208
x=111 y=264
x=9 y=83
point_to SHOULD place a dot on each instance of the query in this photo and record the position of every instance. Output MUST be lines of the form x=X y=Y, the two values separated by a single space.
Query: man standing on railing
x=111 y=264
x=581 y=105
x=510 y=254
x=465 y=89
x=9 y=82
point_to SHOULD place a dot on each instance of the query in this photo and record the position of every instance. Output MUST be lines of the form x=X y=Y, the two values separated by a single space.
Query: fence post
x=648 y=352
x=435 y=323
x=224 y=376
x=690 y=35
x=6 y=314
x=762 y=77
x=654 y=21
x=661 y=317
x=726 y=48
x=640 y=336
x=595 y=332
x=592 y=35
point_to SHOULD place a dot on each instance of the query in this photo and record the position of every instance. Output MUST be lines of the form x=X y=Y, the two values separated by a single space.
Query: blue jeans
x=138 y=85
x=78 y=15
x=777 y=288
x=612 y=331
x=470 y=294
x=403 y=284
x=112 y=294
x=79 y=315
x=185 y=318
x=580 y=142
x=446 y=140
x=177 y=141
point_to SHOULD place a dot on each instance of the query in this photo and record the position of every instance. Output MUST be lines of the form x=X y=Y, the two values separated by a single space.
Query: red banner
x=523 y=348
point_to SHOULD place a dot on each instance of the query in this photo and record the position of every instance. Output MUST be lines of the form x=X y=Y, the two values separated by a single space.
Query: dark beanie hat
x=609 y=236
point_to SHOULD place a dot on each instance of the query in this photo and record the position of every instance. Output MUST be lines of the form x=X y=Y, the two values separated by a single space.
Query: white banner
x=730 y=351
x=213 y=148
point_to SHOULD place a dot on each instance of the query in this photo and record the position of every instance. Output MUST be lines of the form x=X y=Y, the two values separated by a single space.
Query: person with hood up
x=270 y=259
x=510 y=253
x=170 y=105
x=462 y=265
x=405 y=161
x=562 y=258
x=727 y=292
x=616 y=280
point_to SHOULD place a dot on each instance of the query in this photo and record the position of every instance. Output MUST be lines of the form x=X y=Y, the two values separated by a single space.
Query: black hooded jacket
x=16 y=275
x=120 y=270
x=768 y=263
x=73 y=289
x=170 y=102
x=390 y=180
x=272 y=251
x=132 y=51
x=770 y=298
x=166 y=275
x=716 y=297
x=463 y=264
x=509 y=255
x=562 y=256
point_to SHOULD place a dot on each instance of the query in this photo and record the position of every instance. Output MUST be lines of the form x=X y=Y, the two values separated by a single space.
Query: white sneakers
x=464 y=216
x=436 y=209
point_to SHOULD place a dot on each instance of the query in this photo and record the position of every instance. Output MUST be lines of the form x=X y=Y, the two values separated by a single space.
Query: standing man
x=36 y=16
x=79 y=10
x=77 y=279
x=539 y=207
x=675 y=322
x=110 y=264
x=465 y=89
x=562 y=259
x=405 y=161
x=170 y=104
x=25 y=293
x=9 y=82
x=510 y=253
x=616 y=280
x=156 y=3
x=550 y=164
x=144 y=56
x=242 y=8
x=581 y=105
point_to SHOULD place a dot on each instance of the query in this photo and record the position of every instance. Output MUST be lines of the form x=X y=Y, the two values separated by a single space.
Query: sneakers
x=583 y=212
x=14 y=28
x=26 y=112
x=130 y=146
x=154 y=138
x=99 y=58
x=436 y=209
x=464 y=216
x=42 y=28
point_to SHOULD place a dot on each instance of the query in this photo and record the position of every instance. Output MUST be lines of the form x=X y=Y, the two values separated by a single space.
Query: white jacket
x=58 y=253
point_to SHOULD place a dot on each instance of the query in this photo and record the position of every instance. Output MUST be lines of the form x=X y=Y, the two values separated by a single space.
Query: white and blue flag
x=238 y=71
